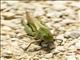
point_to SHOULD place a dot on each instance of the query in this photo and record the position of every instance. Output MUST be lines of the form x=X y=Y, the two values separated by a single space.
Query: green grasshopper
x=36 y=28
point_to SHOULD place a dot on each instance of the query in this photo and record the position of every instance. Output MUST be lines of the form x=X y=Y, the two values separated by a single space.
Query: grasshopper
x=36 y=28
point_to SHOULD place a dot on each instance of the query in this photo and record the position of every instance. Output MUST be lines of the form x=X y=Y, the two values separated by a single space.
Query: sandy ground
x=62 y=18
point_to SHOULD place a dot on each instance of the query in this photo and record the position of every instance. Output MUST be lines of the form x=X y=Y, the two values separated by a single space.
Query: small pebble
x=6 y=28
x=72 y=49
x=39 y=12
x=31 y=49
x=8 y=15
x=50 y=55
x=7 y=54
x=60 y=37
x=43 y=59
x=60 y=48
x=77 y=45
x=71 y=57
x=11 y=25
x=59 y=6
x=72 y=34
x=35 y=58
